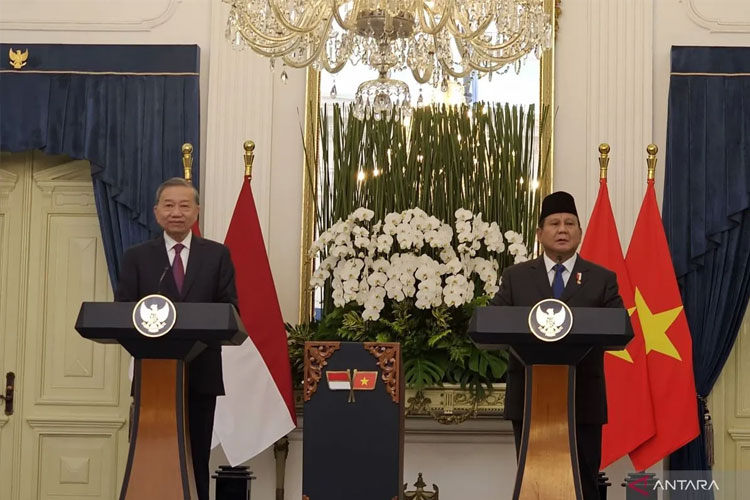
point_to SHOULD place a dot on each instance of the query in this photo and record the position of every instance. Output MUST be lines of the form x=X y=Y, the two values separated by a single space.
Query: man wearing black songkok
x=561 y=273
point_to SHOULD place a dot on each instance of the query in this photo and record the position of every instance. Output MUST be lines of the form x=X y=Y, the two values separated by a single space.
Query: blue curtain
x=125 y=109
x=707 y=208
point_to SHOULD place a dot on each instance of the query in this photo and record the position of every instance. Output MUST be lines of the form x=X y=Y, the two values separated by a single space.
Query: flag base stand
x=603 y=483
x=640 y=486
x=233 y=483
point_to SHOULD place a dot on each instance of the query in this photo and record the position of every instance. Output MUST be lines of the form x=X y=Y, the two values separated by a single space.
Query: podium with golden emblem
x=162 y=337
x=550 y=339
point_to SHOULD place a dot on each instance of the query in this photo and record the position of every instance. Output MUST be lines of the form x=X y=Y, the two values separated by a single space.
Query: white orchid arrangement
x=410 y=256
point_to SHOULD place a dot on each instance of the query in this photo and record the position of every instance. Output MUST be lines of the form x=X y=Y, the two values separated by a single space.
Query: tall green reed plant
x=477 y=157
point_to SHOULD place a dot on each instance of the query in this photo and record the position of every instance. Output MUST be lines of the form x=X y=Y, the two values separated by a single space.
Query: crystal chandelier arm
x=270 y=50
x=427 y=16
x=341 y=21
x=422 y=78
x=269 y=39
x=468 y=35
x=335 y=68
x=456 y=74
x=311 y=17
x=489 y=51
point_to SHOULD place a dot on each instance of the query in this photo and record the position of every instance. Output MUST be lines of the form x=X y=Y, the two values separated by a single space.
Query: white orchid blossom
x=410 y=255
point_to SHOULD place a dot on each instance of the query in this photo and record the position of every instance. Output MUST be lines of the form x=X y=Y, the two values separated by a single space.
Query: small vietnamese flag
x=365 y=381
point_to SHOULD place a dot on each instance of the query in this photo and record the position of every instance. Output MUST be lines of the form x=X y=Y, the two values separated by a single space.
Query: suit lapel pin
x=578 y=278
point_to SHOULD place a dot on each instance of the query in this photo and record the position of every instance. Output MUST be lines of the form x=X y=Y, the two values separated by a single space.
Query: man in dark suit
x=185 y=268
x=560 y=273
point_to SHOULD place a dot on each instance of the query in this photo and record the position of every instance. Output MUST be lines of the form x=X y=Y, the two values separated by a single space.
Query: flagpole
x=249 y=157
x=187 y=161
x=603 y=161
x=281 y=446
x=651 y=149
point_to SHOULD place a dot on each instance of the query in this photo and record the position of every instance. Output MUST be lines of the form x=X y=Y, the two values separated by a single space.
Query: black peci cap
x=557 y=203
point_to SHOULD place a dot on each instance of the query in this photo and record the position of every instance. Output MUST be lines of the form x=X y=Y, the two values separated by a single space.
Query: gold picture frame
x=309 y=175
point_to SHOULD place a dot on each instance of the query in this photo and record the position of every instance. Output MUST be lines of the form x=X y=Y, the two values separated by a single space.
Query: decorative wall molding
x=7 y=184
x=78 y=423
x=740 y=435
x=7 y=181
x=619 y=104
x=73 y=174
x=719 y=16
x=85 y=15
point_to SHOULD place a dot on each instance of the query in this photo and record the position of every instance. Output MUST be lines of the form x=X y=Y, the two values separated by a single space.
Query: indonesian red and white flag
x=339 y=380
x=258 y=408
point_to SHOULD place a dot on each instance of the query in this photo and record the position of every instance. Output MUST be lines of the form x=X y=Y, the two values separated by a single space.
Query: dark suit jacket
x=527 y=283
x=209 y=277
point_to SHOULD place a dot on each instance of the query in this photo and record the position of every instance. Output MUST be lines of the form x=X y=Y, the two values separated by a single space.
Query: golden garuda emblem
x=18 y=58
x=550 y=320
x=154 y=318
x=154 y=315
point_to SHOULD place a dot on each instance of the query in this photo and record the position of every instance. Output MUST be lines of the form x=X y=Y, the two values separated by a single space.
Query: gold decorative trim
x=547 y=99
x=389 y=359
x=309 y=192
x=316 y=354
x=708 y=74
x=118 y=73
x=453 y=405
x=420 y=493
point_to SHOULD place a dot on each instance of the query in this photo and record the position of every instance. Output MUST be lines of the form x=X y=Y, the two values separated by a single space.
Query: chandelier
x=436 y=39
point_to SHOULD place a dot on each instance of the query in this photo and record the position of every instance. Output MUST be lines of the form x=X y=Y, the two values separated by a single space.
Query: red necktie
x=178 y=269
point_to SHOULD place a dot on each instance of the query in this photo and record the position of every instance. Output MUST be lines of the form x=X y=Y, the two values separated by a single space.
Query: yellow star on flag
x=364 y=381
x=655 y=326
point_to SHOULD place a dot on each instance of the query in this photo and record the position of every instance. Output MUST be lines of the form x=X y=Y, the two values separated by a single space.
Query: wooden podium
x=548 y=460
x=159 y=460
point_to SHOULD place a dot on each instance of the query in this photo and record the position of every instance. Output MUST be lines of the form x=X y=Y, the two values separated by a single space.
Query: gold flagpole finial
x=249 y=147
x=603 y=160
x=651 y=149
x=187 y=161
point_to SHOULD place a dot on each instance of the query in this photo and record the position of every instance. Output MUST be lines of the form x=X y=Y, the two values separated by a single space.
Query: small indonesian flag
x=339 y=381
x=364 y=381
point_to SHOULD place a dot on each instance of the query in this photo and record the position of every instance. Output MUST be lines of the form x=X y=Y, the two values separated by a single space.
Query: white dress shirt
x=185 y=253
x=568 y=265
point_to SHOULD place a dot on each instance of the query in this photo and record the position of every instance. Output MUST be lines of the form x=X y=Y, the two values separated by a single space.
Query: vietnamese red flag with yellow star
x=669 y=351
x=630 y=416
x=364 y=381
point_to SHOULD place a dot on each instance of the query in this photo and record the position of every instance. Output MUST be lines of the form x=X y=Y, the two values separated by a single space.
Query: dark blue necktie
x=558 y=285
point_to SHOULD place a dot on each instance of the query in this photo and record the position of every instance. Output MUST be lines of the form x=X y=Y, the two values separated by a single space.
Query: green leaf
x=421 y=372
